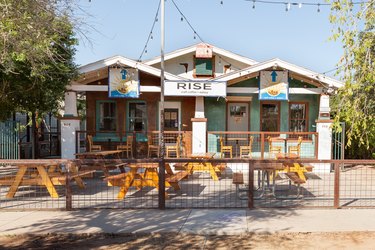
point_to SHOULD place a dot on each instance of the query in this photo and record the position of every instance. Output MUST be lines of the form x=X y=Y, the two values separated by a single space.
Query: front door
x=238 y=116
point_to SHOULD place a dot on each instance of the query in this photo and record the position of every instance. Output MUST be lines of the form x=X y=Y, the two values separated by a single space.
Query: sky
x=299 y=36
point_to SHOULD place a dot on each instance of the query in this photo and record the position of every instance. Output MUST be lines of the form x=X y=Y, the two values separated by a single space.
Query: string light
x=192 y=28
x=287 y=6
x=299 y=4
x=150 y=35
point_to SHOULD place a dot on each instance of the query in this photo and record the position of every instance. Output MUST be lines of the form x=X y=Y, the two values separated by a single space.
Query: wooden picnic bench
x=41 y=173
x=101 y=161
x=149 y=178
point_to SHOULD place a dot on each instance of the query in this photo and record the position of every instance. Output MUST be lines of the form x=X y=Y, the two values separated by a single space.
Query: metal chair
x=225 y=149
x=297 y=148
x=127 y=147
x=174 y=148
x=92 y=146
x=151 y=147
x=245 y=151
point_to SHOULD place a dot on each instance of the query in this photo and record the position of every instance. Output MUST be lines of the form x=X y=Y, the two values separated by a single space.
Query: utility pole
x=162 y=142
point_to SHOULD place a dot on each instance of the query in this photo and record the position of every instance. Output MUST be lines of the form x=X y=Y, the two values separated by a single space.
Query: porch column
x=324 y=129
x=199 y=127
x=69 y=125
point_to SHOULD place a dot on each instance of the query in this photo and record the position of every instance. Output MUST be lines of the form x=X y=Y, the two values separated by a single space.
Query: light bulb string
x=298 y=3
x=150 y=35
x=187 y=21
x=196 y=33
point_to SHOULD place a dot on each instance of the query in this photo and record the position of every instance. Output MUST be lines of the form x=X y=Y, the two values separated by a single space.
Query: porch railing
x=261 y=143
x=236 y=140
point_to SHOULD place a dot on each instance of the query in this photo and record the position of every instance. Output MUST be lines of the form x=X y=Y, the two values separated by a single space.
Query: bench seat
x=294 y=178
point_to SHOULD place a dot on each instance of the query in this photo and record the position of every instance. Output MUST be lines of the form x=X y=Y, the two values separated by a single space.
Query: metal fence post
x=68 y=189
x=336 y=198
x=162 y=184
x=250 y=192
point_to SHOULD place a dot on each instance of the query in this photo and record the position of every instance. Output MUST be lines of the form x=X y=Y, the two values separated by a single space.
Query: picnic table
x=104 y=160
x=205 y=165
x=148 y=178
x=295 y=171
x=46 y=173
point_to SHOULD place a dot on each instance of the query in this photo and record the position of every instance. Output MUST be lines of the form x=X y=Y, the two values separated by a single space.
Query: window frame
x=199 y=75
x=98 y=116
x=128 y=117
x=306 y=129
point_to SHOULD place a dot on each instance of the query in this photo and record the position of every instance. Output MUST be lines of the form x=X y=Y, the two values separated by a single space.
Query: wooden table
x=294 y=167
x=149 y=178
x=40 y=172
x=104 y=163
x=204 y=165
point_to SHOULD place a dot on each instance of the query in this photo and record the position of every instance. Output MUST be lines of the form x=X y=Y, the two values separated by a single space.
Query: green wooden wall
x=215 y=109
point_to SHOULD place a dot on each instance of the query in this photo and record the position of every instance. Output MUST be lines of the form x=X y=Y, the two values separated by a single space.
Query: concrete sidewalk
x=191 y=221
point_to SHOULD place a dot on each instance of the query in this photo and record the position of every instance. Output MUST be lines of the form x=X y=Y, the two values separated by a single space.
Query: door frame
x=278 y=103
x=226 y=113
x=171 y=105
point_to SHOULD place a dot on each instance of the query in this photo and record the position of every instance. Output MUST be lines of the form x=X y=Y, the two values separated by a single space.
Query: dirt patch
x=345 y=240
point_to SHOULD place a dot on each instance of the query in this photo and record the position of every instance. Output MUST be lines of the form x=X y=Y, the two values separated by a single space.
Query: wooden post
x=336 y=199
x=162 y=184
x=251 y=189
x=262 y=146
x=68 y=189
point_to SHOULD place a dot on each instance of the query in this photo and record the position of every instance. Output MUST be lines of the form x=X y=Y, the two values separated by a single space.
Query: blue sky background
x=299 y=36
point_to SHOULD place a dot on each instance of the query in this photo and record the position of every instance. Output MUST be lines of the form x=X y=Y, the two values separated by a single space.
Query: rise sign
x=195 y=88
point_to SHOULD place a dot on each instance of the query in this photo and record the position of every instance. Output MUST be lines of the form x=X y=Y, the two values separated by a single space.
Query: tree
x=36 y=55
x=354 y=25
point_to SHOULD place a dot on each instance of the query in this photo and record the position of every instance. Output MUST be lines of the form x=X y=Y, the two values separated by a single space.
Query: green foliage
x=354 y=104
x=36 y=59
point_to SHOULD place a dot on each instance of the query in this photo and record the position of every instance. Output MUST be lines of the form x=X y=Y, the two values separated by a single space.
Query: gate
x=338 y=143
x=9 y=137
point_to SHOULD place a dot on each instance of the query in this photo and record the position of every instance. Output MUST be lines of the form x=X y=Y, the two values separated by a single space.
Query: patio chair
x=174 y=149
x=245 y=151
x=151 y=147
x=297 y=148
x=225 y=149
x=92 y=146
x=127 y=147
x=273 y=148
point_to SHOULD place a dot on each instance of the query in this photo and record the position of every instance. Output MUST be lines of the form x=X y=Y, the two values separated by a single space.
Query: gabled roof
x=276 y=62
x=128 y=62
x=192 y=48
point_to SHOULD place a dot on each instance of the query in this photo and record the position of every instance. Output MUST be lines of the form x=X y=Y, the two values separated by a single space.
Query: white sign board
x=273 y=85
x=195 y=88
x=123 y=82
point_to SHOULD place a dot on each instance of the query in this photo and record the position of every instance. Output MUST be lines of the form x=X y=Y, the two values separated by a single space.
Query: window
x=270 y=116
x=298 y=117
x=204 y=66
x=238 y=111
x=137 y=116
x=171 y=119
x=106 y=116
